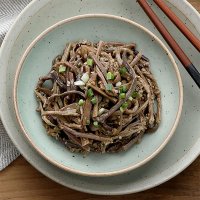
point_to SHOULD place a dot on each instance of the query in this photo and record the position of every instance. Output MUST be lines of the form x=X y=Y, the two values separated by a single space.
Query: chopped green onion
x=121 y=109
x=123 y=89
x=62 y=69
x=110 y=76
x=79 y=83
x=90 y=62
x=109 y=87
x=122 y=95
x=101 y=111
x=96 y=124
x=81 y=102
x=123 y=70
x=125 y=105
x=130 y=98
x=135 y=94
x=90 y=93
x=85 y=78
x=118 y=84
x=94 y=100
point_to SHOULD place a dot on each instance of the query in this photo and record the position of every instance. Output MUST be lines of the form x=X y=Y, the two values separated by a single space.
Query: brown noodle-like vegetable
x=99 y=97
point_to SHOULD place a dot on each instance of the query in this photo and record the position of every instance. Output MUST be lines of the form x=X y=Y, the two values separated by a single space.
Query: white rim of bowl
x=104 y=174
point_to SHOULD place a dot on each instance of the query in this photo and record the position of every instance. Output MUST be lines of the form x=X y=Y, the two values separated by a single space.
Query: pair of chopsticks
x=186 y=62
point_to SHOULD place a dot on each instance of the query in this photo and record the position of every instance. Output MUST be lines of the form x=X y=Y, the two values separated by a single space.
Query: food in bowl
x=99 y=97
x=37 y=61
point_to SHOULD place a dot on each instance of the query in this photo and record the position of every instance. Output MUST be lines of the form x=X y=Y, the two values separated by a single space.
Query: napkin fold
x=9 y=10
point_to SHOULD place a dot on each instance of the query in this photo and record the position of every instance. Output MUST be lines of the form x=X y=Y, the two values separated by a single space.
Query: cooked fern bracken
x=99 y=97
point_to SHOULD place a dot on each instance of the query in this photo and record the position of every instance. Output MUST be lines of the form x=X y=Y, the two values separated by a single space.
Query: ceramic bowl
x=36 y=62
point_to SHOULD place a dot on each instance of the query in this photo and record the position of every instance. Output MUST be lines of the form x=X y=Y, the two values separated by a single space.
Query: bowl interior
x=37 y=62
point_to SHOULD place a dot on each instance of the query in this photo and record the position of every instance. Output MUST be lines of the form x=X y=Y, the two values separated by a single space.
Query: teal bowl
x=36 y=62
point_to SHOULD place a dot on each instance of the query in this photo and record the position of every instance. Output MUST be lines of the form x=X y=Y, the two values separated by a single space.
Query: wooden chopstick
x=171 y=42
x=179 y=24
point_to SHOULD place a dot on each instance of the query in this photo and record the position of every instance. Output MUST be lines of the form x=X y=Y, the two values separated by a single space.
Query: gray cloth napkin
x=9 y=9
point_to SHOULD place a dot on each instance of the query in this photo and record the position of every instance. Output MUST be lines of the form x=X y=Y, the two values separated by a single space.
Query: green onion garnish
x=110 y=76
x=85 y=78
x=130 y=98
x=121 y=109
x=123 y=70
x=94 y=100
x=109 y=87
x=122 y=95
x=81 y=102
x=90 y=93
x=123 y=89
x=135 y=94
x=118 y=84
x=90 y=62
x=101 y=111
x=125 y=105
x=96 y=124
x=62 y=69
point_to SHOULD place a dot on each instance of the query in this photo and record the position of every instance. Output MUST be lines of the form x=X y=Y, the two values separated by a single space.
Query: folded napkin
x=9 y=9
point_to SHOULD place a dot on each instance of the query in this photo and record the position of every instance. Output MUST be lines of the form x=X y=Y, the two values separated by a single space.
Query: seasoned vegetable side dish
x=99 y=97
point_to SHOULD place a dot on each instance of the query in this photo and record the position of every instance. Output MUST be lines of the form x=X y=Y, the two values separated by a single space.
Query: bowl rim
x=97 y=174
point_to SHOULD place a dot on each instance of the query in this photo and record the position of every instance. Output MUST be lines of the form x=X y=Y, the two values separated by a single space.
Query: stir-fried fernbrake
x=99 y=97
